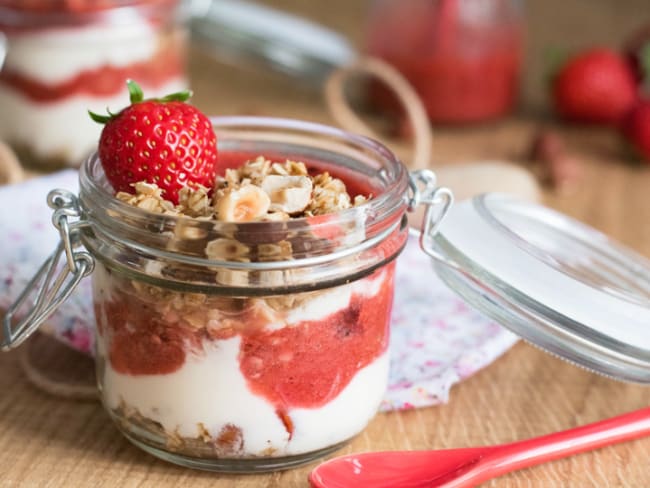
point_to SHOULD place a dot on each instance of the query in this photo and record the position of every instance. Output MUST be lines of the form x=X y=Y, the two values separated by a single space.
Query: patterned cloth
x=436 y=339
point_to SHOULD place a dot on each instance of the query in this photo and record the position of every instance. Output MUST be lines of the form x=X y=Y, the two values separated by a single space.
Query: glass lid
x=243 y=31
x=555 y=282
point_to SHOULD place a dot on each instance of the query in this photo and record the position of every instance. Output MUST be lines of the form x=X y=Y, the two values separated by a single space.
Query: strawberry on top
x=162 y=141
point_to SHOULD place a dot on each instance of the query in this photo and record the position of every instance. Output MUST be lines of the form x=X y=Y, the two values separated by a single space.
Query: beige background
x=47 y=442
x=569 y=25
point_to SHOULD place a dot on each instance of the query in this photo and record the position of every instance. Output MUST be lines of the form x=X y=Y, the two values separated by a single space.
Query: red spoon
x=470 y=466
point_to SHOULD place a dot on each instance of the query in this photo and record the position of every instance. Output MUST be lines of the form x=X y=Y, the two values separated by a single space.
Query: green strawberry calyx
x=555 y=58
x=136 y=95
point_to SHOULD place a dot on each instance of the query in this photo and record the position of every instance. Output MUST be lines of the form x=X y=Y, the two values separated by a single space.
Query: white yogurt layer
x=211 y=390
x=346 y=415
x=327 y=302
x=62 y=130
x=56 y=55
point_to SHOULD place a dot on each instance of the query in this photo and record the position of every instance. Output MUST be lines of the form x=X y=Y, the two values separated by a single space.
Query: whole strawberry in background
x=596 y=86
x=163 y=141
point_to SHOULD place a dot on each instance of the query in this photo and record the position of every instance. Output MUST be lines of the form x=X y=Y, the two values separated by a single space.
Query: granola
x=148 y=196
x=227 y=442
x=259 y=190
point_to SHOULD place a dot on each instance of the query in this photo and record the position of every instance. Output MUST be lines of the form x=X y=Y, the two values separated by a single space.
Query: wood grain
x=46 y=442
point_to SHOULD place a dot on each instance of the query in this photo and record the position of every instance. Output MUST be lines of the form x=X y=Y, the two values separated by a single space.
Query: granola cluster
x=193 y=202
x=228 y=442
x=259 y=190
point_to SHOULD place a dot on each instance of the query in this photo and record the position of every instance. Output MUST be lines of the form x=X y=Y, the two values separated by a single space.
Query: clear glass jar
x=64 y=58
x=273 y=351
x=463 y=57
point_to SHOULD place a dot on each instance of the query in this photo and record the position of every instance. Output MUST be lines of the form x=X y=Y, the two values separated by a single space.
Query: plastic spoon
x=471 y=466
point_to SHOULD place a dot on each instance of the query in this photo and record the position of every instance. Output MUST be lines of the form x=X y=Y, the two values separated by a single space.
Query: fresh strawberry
x=163 y=141
x=596 y=86
x=636 y=128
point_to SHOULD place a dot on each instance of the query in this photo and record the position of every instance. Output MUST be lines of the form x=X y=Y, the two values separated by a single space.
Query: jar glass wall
x=254 y=346
x=65 y=58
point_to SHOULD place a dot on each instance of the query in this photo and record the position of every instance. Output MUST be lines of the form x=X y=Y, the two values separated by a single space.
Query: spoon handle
x=522 y=454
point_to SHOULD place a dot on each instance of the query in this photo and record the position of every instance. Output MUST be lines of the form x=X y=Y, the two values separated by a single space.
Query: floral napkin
x=436 y=341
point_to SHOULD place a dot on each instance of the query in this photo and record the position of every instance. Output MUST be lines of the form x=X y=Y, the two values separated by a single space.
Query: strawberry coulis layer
x=103 y=81
x=304 y=365
x=70 y=6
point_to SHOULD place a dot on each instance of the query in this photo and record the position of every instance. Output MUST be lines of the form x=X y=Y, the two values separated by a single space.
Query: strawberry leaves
x=136 y=95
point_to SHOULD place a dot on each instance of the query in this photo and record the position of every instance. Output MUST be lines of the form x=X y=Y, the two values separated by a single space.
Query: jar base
x=241 y=466
x=149 y=436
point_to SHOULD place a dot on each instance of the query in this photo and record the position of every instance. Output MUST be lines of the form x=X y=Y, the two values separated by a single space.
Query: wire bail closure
x=52 y=284
x=424 y=190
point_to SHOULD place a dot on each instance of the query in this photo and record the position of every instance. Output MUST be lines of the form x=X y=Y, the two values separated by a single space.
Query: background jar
x=64 y=58
x=255 y=346
x=463 y=57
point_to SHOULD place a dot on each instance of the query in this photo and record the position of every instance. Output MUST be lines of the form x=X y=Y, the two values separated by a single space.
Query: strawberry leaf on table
x=164 y=141
x=554 y=58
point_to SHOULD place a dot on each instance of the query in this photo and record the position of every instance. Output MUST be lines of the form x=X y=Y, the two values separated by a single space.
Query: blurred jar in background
x=65 y=57
x=462 y=56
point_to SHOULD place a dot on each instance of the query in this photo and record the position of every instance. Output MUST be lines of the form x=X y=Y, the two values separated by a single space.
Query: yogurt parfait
x=243 y=282
x=66 y=57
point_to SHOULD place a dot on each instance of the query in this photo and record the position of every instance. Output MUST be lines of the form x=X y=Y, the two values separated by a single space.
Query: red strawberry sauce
x=101 y=82
x=306 y=364
x=463 y=72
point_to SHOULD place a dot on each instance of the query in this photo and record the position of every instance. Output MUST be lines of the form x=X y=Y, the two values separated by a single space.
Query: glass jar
x=239 y=346
x=64 y=58
x=463 y=57
x=248 y=346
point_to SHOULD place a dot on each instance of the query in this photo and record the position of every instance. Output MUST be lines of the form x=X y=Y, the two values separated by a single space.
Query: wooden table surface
x=48 y=442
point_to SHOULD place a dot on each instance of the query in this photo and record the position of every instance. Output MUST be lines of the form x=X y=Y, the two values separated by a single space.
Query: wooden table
x=48 y=442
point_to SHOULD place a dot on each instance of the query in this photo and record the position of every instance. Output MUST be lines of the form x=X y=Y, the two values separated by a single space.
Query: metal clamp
x=424 y=190
x=3 y=49
x=52 y=283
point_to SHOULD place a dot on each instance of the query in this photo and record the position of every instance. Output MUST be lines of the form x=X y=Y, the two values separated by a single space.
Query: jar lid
x=557 y=283
x=248 y=32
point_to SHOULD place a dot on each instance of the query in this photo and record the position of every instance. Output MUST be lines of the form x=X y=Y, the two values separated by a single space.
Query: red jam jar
x=243 y=346
x=463 y=57
x=64 y=58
